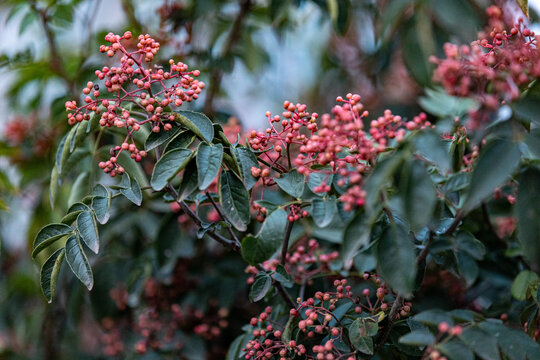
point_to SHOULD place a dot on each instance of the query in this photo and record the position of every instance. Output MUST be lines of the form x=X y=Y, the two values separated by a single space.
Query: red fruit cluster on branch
x=137 y=94
x=338 y=146
x=494 y=69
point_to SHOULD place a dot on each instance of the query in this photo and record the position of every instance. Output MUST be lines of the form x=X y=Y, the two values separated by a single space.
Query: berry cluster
x=494 y=69
x=338 y=146
x=138 y=94
x=304 y=263
x=315 y=319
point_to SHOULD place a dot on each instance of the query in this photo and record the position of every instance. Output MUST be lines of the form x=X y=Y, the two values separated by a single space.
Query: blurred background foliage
x=253 y=54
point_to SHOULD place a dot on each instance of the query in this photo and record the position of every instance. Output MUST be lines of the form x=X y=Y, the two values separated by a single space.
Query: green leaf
x=396 y=258
x=468 y=243
x=515 y=344
x=359 y=337
x=234 y=199
x=78 y=262
x=60 y=151
x=292 y=183
x=181 y=140
x=209 y=159
x=356 y=236
x=528 y=214
x=497 y=161
x=258 y=249
x=323 y=211
x=260 y=287
x=246 y=159
x=483 y=344
x=235 y=349
x=467 y=267
x=49 y=234
x=199 y=123
x=156 y=139
x=73 y=212
x=281 y=275
x=523 y=284
x=133 y=193
x=433 y=317
x=188 y=184
x=88 y=230
x=418 y=338
x=317 y=178
x=524 y=5
x=49 y=273
x=379 y=178
x=168 y=166
x=418 y=45
x=101 y=203
x=455 y=350
x=437 y=102
x=66 y=152
x=419 y=194
x=434 y=149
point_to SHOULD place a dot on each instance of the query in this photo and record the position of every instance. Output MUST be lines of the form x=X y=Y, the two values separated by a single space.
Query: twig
x=285 y=245
x=222 y=215
x=217 y=74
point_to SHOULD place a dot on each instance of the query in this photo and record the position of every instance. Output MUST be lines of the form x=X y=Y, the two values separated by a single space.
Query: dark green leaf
x=292 y=183
x=258 y=249
x=234 y=199
x=419 y=194
x=209 y=159
x=78 y=262
x=101 y=203
x=497 y=161
x=418 y=338
x=189 y=181
x=483 y=344
x=199 y=123
x=49 y=234
x=88 y=230
x=133 y=193
x=260 y=287
x=181 y=140
x=246 y=159
x=49 y=273
x=528 y=214
x=156 y=139
x=168 y=166
x=396 y=258
x=73 y=212
x=455 y=350
x=323 y=211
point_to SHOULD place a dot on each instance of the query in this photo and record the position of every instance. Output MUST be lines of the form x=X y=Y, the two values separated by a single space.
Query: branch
x=217 y=75
x=285 y=245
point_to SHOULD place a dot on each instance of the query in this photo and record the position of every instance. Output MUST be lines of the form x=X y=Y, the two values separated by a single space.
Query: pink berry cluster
x=338 y=146
x=494 y=69
x=316 y=319
x=137 y=94
x=302 y=264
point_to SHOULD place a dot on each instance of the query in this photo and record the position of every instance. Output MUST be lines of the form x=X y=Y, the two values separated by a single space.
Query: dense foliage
x=338 y=234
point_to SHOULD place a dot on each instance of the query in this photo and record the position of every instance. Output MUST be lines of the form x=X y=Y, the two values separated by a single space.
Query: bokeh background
x=253 y=55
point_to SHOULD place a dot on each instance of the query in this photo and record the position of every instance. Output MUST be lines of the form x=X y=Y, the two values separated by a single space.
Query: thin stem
x=285 y=245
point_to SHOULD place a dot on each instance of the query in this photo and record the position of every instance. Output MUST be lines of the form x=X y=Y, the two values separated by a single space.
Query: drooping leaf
x=101 y=203
x=234 y=199
x=359 y=337
x=323 y=211
x=209 y=159
x=189 y=182
x=523 y=284
x=49 y=234
x=87 y=226
x=419 y=194
x=497 y=161
x=246 y=159
x=483 y=344
x=256 y=249
x=292 y=183
x=396 y=258
x=49 y=273
x=182 y=139
x=528 y=214
x=73 y=212
x=168 y=166
x=76 y=258
x=260 y=287
x=199 y=123
x=455 y=349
